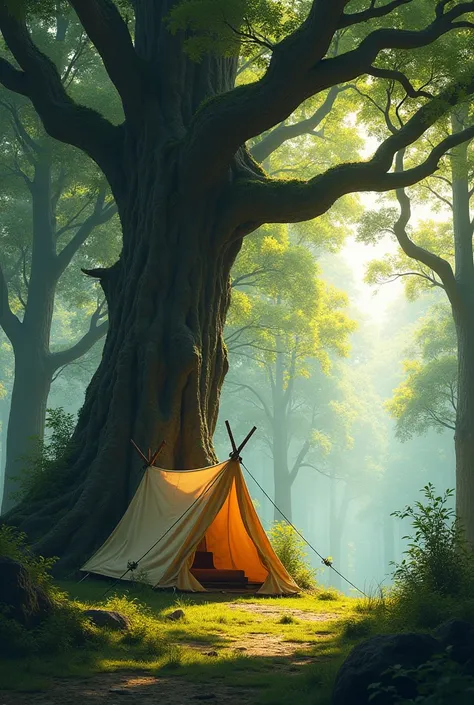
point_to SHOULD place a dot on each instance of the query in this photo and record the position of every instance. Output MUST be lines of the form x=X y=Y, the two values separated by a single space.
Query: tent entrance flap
x=197 y=512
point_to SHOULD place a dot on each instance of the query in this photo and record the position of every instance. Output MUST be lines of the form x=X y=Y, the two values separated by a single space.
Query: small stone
x=211 y=653
x=177 y=614
x=118 y=691
x=109 y=619
x=241 y=648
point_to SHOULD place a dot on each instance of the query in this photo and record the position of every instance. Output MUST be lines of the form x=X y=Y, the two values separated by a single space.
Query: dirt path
x=275 y=611
x=128 y=689
x=137 y=688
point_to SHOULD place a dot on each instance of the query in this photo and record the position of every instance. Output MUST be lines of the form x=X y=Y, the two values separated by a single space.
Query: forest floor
x=226 y=649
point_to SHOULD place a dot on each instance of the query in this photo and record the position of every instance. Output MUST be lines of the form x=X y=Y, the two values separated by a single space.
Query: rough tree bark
x=187 y=192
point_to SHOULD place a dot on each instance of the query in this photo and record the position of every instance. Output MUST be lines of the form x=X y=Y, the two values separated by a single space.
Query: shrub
x=145 y=632
x=358 y=628
x=290 y=549
x=437 y=559
x=435 y=578
x=13 y=545
x=60 y=630
x=329 y=595
x=44 y=464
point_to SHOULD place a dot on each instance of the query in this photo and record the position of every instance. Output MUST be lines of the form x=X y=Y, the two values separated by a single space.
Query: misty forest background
x=345 y=364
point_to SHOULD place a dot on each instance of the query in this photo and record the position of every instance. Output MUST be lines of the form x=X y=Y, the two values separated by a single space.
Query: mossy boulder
x=20 y=598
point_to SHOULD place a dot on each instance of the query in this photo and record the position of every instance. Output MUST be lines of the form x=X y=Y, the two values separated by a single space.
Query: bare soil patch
x=127 y=689
x=275 y=611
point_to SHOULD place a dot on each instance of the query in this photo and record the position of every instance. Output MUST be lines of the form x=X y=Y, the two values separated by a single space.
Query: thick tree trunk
x=163 y=364
x=164 y=359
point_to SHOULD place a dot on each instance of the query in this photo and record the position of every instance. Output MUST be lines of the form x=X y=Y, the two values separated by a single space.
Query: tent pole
x=144 y=458
x=157 y=452
x=151 y=458
x=246 y=440
x=232 y=441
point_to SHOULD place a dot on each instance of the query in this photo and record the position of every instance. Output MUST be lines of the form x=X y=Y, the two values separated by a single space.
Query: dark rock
x=458 y=636
x=177 y=614
x=109 y=619
x=211 y=653
x=26 y=602
x=369 y=660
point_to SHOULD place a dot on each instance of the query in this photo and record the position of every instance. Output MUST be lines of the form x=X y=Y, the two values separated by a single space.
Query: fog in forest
x=362 y=463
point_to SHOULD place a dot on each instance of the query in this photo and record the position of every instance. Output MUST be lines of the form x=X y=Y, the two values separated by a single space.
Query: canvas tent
x=176 y=517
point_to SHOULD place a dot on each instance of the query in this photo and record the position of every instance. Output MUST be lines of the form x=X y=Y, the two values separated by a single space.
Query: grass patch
x=205 y=646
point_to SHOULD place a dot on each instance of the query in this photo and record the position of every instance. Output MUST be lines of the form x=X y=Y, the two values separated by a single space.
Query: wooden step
x=212 y=575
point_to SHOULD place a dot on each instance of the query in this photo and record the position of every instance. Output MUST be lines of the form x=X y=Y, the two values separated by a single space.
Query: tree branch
x=109 y=34
x=299 y=460
x=372 y=13
x=297 y=71
x=94 y=334
x=99 y=216
x=9 y=322
x=284 y=132
x=262 y=401
x=393 y=75
x=62 y=118
x=437 y=264
x=271 y=200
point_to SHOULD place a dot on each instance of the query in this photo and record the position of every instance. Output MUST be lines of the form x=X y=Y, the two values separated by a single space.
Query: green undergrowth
x=206 y=645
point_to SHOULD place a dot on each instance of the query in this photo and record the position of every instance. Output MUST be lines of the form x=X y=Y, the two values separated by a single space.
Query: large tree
x=188 y=192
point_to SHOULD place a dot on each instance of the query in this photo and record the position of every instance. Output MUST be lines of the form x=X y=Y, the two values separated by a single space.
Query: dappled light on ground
x=225 y=649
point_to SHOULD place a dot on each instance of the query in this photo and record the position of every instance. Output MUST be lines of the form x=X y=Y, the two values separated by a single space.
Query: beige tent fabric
x=165 y=507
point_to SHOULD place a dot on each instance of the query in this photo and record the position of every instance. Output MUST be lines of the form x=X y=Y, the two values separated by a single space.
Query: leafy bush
x=290 y=549
x=60 y=630
x=13 y=544
x=145 y=632
x=440 y=681
x=45 y=463
x=437 y=559
x=329 y=595
x=434 y=581
x=359 y=628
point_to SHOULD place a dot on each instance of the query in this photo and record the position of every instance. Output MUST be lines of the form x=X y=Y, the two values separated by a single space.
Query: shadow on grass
x=205 y=658
x=178 y=675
